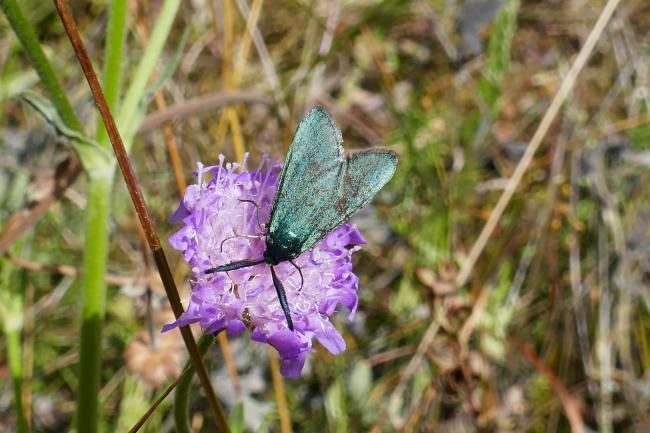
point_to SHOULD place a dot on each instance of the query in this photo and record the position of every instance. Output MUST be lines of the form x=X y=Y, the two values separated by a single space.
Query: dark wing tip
x=393 y=159
x=393 y=156
x=320 y=110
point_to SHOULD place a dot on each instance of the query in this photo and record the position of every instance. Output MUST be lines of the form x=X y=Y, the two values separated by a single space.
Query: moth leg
x=302 y=278
x=262 y=226
x=282 y=297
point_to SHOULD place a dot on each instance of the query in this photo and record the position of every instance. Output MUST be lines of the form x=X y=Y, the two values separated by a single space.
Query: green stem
x=12 y=300
x=96 y=243
x=93 y=302
x=27 y=37
x=112 y=74
x=14 y=355
x=127 y=119
x=182 y=393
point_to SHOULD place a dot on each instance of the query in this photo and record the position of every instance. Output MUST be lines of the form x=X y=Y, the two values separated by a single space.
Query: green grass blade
x=27 y=37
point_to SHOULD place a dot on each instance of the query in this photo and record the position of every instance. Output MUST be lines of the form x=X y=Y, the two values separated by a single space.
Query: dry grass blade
x=280 y=395
x=198 y=105
x=533 y=145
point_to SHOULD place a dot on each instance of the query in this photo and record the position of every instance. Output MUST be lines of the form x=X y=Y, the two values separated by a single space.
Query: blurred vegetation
x=553 y=327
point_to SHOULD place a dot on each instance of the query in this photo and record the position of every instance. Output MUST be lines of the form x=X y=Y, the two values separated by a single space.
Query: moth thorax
x=281 y=247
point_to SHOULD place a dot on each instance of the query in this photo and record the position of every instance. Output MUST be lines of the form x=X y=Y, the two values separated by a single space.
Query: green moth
x=320 y=188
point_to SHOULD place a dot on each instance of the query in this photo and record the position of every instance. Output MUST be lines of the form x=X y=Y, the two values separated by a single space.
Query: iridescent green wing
x=320 y=187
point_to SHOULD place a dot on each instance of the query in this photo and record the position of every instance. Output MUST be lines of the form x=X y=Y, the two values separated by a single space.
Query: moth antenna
x=302 y=278
x=237 y=236
x=263 y=226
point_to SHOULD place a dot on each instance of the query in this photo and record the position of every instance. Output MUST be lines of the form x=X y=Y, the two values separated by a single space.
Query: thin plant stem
x=233 y=79
x=12 y=319
x=184 y=386
x=14 y=356
x=140 y=205
x=229 y=360
x=229 y=115
x=198 y=105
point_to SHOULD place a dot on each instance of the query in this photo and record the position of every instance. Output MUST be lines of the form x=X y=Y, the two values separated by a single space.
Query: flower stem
x=93 y=302
x=27 y=37
x=182 y=393
x=96 y=239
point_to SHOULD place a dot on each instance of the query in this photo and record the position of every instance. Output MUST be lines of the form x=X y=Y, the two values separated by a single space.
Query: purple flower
x=219 y=227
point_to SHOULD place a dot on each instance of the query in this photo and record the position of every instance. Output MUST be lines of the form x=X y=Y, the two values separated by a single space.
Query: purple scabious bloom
x=220 y=225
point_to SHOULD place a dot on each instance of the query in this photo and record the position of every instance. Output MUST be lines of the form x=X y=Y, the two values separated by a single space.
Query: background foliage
x=552 y=328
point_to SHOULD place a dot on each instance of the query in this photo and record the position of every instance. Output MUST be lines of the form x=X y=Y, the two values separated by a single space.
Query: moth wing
x=320 y=187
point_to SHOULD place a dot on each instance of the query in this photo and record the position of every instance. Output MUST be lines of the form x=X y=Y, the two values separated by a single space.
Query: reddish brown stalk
x=571 y=408
x=138 y=425
x=138 y=202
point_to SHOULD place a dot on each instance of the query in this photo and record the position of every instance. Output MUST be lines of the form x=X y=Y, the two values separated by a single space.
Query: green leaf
x=335 y=407
x=168 y=70
x=148 y=93
x=93 y=157
x=360 y=381
x=236 y=418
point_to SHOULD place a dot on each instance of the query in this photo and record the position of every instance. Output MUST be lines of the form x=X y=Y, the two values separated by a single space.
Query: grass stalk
x=93 y=308
x=12 y=317
x=182 y=393
x=14 y=357
x=128 y=120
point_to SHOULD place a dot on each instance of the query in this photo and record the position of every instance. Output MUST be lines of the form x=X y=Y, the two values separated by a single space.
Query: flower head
x=222 y=222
